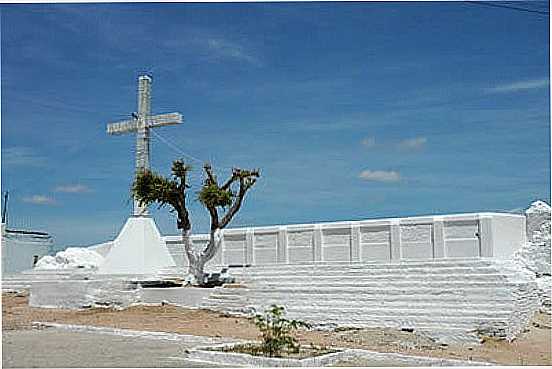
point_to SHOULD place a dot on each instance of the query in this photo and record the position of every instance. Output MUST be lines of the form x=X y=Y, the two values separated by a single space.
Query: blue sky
x=350 y=110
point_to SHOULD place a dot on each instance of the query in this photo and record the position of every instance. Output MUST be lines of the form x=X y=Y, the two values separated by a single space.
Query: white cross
x=141 y=124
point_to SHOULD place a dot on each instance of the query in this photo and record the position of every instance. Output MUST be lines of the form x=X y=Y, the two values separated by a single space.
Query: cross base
x=139 y=249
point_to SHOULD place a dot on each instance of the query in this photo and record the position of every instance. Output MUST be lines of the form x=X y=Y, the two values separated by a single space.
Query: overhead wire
x=506 y=6
x=179 y=151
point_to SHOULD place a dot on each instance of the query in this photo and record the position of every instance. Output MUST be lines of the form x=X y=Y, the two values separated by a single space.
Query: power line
x=175 y=148
x=179 y=151
x=505 y=6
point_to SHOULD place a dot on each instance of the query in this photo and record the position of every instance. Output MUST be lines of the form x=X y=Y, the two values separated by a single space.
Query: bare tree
x=226 y=199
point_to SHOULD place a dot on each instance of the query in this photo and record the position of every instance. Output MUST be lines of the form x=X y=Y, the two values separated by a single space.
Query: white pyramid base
x=138 y=249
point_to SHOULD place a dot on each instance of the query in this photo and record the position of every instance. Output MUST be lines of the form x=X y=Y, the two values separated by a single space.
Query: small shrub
x=276 y=331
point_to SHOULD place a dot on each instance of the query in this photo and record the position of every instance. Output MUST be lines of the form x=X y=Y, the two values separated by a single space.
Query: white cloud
x=78 y=188
x=380 y=175
x=231 y=50
x=519 y=86
x=39 y=200
x=414 y=143
x=369 y=142
x=21 y=156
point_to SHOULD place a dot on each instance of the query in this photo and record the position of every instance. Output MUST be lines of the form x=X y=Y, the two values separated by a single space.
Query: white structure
x=485 y=235
x=451 y=299
x=139 y=249
x=141 y=125
x=71 y=258
x=21 y=249
x=452 y=276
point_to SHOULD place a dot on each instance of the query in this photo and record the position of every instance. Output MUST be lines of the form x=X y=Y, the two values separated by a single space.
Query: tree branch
x=247 y=179
x=211 y=178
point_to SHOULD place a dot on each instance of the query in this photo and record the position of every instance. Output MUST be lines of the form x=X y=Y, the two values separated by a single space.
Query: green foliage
x=150 y=187
x=277 y=331
x=179 y=169
x=211 y=195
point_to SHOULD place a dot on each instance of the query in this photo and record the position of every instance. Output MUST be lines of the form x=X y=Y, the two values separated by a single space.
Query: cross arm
x=165 y=120
x=121 y=127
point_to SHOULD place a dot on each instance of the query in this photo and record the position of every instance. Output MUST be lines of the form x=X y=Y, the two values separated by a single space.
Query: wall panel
x=417 y=241
x=336 y=244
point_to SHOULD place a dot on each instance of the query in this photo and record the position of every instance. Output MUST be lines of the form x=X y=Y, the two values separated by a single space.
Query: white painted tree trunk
x=198 y=258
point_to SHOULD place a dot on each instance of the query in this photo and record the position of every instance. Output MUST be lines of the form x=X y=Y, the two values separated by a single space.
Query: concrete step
x=384 y=274
x=15 y=285
x=397 y=311
x=350 y=301
x=428 y=263
x=388 y=269
x=461 y=272
x=378 y=291
x=419 y=278
x=348 y=311
x=405 y=284
x=466 y=322
x=458 y=321
x=9 y=287
x=362 y=303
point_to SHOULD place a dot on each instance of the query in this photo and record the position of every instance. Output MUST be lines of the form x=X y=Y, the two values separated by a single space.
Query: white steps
x=451 y=298
x=23 y=280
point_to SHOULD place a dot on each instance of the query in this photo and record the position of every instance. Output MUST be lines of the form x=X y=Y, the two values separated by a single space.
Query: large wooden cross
x=141 y=124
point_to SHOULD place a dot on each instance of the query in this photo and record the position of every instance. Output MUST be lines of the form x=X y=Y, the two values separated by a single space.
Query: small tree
x=225 y=198
x=276 y=331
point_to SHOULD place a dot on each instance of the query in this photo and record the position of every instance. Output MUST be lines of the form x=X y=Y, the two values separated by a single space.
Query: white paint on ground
x=167 y=336
x=207 y=354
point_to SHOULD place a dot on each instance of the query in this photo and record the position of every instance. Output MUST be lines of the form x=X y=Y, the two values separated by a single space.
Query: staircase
x=452 y=300
x=23 y=280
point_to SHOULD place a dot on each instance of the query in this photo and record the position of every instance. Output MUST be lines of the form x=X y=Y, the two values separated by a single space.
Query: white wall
x=380 y=240
x=507 y=236
x=18 y=251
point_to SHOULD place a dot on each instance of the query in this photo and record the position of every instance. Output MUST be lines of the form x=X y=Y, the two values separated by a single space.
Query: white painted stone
x=535 y=255
x=544 y=284
x=165 y=336
x=71 y=258
x=78 y=294
x=207 y=354
x=449 y=299
x=102 y=248
x=537 y=214
x=189 y=297
x=138 y=249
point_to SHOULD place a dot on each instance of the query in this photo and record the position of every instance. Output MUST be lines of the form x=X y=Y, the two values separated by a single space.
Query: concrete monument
x=139 y=248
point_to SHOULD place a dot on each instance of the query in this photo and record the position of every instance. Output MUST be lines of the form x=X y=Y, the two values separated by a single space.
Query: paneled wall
x=382 y=240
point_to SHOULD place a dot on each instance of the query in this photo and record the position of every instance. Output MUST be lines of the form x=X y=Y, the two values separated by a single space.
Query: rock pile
x=536 y=253
x=71 y=258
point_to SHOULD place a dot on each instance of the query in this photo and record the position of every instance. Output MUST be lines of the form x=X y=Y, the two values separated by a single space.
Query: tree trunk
x=198 y=259
x=195 y=270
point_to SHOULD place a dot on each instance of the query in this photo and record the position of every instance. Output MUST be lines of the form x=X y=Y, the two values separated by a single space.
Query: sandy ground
x=533 y=347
